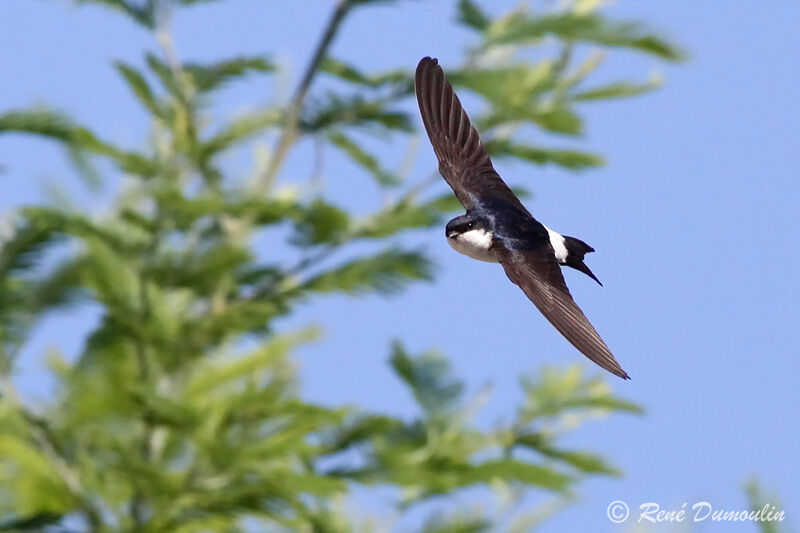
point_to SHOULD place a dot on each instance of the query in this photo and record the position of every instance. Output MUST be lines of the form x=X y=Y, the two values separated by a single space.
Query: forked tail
x=576 y=250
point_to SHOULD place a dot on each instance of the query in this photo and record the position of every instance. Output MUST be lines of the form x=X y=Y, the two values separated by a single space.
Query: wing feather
x=463 y=160
x=539 y=276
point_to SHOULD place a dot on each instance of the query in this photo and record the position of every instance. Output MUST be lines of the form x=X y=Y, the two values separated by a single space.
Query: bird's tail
x=576 y=250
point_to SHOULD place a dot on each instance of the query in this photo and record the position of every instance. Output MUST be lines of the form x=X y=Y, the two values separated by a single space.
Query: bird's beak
x=452 y=234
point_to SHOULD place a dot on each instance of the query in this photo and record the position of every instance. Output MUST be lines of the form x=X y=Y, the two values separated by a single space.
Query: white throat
x=474 y=243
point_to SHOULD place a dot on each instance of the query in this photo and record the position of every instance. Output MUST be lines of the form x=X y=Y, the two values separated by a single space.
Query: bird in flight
x=497 y=227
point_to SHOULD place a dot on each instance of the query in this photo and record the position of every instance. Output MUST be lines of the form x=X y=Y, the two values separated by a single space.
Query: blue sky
x=694 y=220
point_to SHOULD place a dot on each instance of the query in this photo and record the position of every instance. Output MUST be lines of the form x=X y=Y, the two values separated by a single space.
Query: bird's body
x=496 y=227
x=477 y=244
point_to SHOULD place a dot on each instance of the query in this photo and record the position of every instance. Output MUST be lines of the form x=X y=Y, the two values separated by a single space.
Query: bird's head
x=470 y=235
x=467 y=223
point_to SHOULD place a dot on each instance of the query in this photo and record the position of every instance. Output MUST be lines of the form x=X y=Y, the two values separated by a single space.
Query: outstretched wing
x=538 y=275
x=463 y=160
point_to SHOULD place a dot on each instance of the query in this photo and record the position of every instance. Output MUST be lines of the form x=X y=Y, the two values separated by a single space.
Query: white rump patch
x=558 y=243
x=475 y=244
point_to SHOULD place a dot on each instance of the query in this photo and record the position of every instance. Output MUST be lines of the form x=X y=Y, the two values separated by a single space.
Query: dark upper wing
x=463 y=160
x=539 y=276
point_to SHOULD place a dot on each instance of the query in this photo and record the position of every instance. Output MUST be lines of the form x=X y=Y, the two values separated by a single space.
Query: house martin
x=496 y=226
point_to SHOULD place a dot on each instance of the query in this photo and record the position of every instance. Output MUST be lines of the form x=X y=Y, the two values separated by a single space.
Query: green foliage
x=768 y=507
x=427 y=377
x=525 y=28
x=56 y=126
x=618 y=90
x=240 y=129
x=471 y=15
x=143 y=13
x=555 y=393
x=571 y=159
x=442 y=450
x=182 y=411
x=405 y=214
x=40 y=122
x=139 y=86
x=22 y=296
x=349 y=73
x=210 y=77
x=335 y=110
x=362 y=157
x=321 y=222
x=386 y=273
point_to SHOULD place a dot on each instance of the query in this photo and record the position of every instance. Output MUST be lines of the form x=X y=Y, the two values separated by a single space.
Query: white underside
x=475 y=244
x=557 y=241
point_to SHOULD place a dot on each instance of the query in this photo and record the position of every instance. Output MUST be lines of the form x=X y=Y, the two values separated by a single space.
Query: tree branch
x=290 y=128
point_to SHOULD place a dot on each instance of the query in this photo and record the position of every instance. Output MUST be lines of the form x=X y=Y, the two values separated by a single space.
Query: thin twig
x=291 y=125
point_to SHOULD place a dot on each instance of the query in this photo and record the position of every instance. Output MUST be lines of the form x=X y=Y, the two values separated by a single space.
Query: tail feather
x=576 y=250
